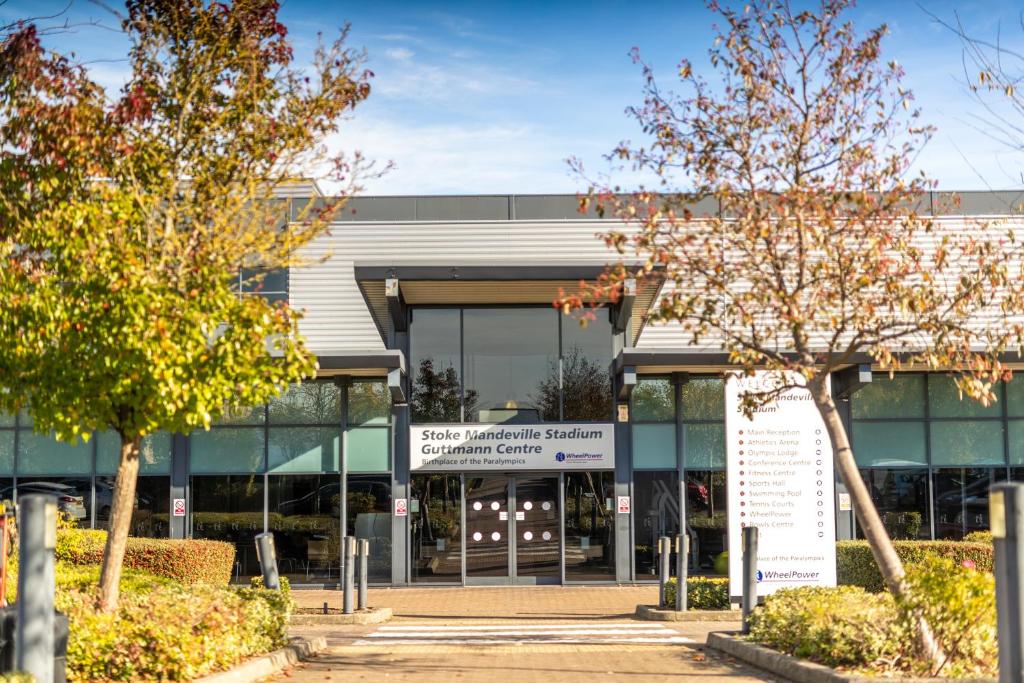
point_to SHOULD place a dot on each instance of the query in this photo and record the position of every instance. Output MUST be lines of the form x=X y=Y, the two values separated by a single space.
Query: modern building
x=475 y=435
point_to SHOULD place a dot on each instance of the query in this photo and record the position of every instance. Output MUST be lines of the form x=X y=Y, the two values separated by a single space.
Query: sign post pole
x=1006 y=517
x=749 y=574
x=34 y=636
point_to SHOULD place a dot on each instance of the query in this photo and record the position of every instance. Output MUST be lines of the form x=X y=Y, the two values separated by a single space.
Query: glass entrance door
x=513 y=530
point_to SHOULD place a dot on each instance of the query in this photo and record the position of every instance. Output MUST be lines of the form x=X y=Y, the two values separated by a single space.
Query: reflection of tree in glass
x=436 y=395
x=586 y=385
x=309 y=402
x=654 y=401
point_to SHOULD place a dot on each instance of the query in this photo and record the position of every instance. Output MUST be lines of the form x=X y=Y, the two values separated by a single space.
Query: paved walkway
x=524 y=634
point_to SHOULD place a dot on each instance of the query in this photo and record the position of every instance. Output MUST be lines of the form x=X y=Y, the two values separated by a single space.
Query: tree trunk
x=868 y=520
x=120 y=523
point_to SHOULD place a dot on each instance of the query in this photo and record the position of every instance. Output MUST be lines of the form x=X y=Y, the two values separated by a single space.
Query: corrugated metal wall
x=336 y=315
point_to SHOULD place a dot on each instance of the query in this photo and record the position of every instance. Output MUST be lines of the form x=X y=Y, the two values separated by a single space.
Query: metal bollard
x=34 y=636
x=266 y=553
x=664 y=568
x=749 y=574
x=364 y=558
x=1006 y=518
x=350 y=559
x=682 y=556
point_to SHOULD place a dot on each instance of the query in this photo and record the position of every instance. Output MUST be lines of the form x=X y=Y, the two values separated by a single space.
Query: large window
x=305 y=517
x=930 y=454
x=230 y=508
x=589 y=526
x=512 y=364
x=369 y=517
x=435 y=518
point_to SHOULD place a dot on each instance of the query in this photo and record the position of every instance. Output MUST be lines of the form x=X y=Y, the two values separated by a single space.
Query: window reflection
x=901 y=497
x=305 y=516
x=961 y=500
x=230 y=508
x=369 y=517
x=152 y=505
x=655 y=514
x=435 y=520
x=590 y=526
x=435 y=362
x=705 y=519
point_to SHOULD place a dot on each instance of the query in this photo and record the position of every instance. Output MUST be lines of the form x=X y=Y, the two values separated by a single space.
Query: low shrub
x=959 y=604
x=186 y=561
x=171 y=632
x=839 y=627
x=855 y=566
x=702 y=592
x=979 y=537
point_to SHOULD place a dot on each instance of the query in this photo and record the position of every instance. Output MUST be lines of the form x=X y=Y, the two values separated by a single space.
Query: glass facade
x=929 y=454
x=509 y=364
x=678 y=420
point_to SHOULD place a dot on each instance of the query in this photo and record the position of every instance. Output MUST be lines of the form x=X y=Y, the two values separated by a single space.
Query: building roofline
x=565 y=207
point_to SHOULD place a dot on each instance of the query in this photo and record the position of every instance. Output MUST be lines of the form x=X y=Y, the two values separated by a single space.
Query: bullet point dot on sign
x=743 y=493
x=819 y=481
x=817 y=431
x=820 y=503
x=821 y=523
x=741 y=482
x=820 y=513
x=741 y=431
x=741 y=473
x=742 y=503
x=741 y=462
x=821 y=534
x=743 y=514
x=741 y=442
x=818 y=473
x=741 y=453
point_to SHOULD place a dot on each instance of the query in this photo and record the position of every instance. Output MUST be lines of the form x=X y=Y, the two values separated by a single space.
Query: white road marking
x=533 y=634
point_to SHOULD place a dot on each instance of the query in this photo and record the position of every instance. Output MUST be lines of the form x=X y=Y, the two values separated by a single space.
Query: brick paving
x=523 y=634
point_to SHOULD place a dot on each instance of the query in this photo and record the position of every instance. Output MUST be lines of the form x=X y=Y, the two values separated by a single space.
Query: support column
x=400 y=487
x=623 y=522
x=179 y=526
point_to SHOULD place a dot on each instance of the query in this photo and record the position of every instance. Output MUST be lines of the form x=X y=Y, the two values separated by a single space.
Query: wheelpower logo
x=562 y=456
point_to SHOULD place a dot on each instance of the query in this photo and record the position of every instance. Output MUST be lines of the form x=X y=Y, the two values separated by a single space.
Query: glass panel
x=654 y=446
x=305 y=517
x=538 y=533
x=486 y=530
x=511 y=364
x=227 y=449
x=654 y=401
x=242 y=415
x=368 y=449
x=304 y=449
x=369 y=517
x=230 y=508
x=6 y=419
x=586 y=362
x=901 y=497
x=435 y=366
x=435 y=516
x=7 y=452
x=655 y=514
x=369 y=403
x=1016 y=439
x=706 y=521
x=154 y=457
x=901 y=396
x=967 y=442
x=1015 y=396
x=74 y=495
x=889 y=443
x=944 y=400
x=589 y=526
x=705 y=445
x=704 y=399
x=272 y=284
x=43 y=454
x=308 y=403
x=152 y=506
x=961 y=500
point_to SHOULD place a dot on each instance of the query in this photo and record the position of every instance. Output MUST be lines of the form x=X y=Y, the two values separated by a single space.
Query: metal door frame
x=513 y=578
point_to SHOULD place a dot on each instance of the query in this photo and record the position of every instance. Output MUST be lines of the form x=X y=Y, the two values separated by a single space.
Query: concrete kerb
x=272 y=663
x=654 y=613
x=363 y=617
x=801 y=671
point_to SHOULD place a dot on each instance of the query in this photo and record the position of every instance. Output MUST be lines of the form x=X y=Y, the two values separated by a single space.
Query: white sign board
x=466 y=447
x=780 y=479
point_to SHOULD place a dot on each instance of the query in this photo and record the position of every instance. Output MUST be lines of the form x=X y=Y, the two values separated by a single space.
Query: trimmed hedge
x=171 y=632
x=702 y=592
x=855 y=566
x=185 y=561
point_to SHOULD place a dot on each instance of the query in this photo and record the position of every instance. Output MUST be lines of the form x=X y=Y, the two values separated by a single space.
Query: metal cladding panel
x=336 y=312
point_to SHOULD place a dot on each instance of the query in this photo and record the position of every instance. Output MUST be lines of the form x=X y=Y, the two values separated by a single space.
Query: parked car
x=69 y=499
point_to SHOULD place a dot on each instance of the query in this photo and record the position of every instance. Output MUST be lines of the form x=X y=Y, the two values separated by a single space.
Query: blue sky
x=493 y=97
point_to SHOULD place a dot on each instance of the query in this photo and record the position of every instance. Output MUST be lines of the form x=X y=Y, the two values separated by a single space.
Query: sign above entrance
x=506 y=448
x=780 y=479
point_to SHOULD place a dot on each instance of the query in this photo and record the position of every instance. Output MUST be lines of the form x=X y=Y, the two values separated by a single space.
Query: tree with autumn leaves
x=128 y=219
x=817 y=257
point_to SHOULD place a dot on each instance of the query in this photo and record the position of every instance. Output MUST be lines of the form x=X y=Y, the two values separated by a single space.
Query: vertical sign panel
x=781 y=480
